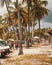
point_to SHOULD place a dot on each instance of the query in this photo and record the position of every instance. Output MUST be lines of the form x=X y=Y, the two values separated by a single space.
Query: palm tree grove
x=21 y=42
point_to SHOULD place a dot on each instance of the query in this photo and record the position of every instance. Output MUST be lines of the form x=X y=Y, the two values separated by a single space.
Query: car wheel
x=7 y=51
x=2 y=54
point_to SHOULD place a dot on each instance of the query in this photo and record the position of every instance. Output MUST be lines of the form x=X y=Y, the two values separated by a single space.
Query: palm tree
x=14 y=16
x=39 y=11
x=0 y=18
x=29 y=21
x=1 y=26
x=7 y=2
x=19 y=17
x=33 y=28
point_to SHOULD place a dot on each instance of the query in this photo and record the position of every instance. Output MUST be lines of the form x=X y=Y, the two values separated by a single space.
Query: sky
x=45 y=22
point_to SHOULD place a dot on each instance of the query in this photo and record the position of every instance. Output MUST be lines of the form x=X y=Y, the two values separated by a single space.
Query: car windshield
x=3 y=43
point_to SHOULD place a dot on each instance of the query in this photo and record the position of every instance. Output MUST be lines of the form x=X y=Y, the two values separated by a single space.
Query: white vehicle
x=4 y=48
x=36 y=39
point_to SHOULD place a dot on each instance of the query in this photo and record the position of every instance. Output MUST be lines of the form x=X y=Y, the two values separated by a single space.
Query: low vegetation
x=39 y=59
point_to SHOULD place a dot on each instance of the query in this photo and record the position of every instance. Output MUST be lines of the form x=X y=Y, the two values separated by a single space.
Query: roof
x=49 y=31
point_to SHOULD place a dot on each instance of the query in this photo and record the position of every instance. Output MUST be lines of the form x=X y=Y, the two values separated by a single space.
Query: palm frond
x=45 y=3
x=2 y=3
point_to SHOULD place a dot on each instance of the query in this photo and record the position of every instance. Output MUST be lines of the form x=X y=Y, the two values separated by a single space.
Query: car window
x=3 y=43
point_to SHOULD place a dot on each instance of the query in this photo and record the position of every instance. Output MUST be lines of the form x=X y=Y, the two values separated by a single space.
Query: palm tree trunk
x=32 y=30
x=20 y=31
x=20 y=34
x=26 y=36
x=39 y=29
x=28 y=27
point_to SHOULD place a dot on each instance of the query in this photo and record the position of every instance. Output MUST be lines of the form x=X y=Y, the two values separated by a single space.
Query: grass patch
x=41 y=57
x=29 y=59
